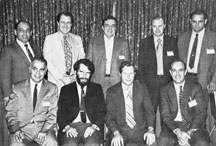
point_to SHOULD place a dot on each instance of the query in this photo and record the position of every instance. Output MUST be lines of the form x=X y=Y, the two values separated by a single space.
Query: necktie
x=185 y=123
x=193 y=52
x=68 y=56
x=28 y=51
x=82 y=106
x=35 y=97
x=159 y=46
x=129 y=110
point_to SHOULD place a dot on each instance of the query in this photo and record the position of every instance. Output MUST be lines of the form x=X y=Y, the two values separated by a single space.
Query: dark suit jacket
x=147 y=62
x=14 y=66
x=19 y=110
x=96 y=53
x=68 y=106
x=143 y=110
x=207 y=61
x=195 y=115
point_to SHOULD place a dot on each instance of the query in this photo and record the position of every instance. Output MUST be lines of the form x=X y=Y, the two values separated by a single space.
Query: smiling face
x=37 y=70
x=198 y=22
x=158 y=27
x=23 y=32
x=127 y=75
x=109 y=28
x=178 y=72
x=64 y=24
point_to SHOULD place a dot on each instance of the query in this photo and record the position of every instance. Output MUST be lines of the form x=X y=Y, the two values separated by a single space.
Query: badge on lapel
x=210 y=50
x=192 y=103
x=121 y=57
x=170 y=53
x=46 y=103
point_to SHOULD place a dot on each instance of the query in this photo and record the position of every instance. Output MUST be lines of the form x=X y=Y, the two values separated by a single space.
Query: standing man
x=107 y=52
x=61 y=50
x=82 y=109
x=155 y=55
x=130 y=114
x=31 y=110
x=183 y=109
x=197 y=49
x=15 y=60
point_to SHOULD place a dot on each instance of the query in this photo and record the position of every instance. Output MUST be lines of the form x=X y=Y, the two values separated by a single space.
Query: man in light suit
x=130 y=114
x=61 y=50
x=15 y=60
x=107 y=52
x=183 y=109
x=203 y=69
x=155 y=55
x=81 y=109
x=31 y=110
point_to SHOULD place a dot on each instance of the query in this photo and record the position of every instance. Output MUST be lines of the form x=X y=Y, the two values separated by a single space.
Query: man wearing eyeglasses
x=107 y=52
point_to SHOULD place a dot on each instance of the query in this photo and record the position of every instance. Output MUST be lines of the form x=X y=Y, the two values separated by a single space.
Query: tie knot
x=26 y=45
x=180 y=88
x=197 y=35
x=36 y=85
x=159 y=40
x=65 y=37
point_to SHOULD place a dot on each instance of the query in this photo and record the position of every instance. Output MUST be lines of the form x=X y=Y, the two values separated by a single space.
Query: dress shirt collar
x=178 y=85
x=156 y=39
x=21 y=43
x=126 y=88
x=108 y=39
x=201 y=33
x=79 y=87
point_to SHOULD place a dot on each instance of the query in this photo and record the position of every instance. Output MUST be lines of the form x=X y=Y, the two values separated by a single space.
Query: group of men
x=86 y=91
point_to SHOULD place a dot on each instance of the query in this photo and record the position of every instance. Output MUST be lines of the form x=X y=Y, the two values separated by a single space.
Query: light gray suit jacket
x=53 y=52
x=97 y=54
x=19 y=110
x=207 y=62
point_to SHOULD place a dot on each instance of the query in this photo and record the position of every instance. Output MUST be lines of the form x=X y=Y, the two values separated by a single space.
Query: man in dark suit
x=155 y=55
x=183 y=109
x=32 y=108
x=15 y=60
x=107 y=52
x=130 y=115
x=81 y=109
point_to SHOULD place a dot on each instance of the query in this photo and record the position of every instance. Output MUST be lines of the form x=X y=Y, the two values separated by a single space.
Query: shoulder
x=50 y=84
x=210 y=33
x=120 y=39
x=114 y=88
x=96 y=39
x=95 y=85
x=167 y=87
x=53 y=35
x=170 y=38
x=184 y=34
x=19 y=85
x=74 y=36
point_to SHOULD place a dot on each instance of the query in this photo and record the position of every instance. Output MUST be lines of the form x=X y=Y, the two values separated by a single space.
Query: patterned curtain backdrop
x=134 y=17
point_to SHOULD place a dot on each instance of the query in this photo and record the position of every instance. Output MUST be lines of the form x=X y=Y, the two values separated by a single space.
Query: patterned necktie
x=29 y=53
x=34 y=97
x=82 y=106
x=193 y=52
x=159 y=46
x=68 y=56
x=129 y=110
x=185 y=123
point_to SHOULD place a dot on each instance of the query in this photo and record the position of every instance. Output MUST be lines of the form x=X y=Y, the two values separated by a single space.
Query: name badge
x=46 y=103
x=192 y=103
x=170 y=53
x=210 y=51
x=121 y=57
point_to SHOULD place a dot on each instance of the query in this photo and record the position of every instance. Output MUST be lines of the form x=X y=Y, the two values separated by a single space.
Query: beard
x=83 y=81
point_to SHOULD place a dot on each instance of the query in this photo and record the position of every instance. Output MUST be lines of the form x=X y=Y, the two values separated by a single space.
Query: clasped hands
x=72 y=132
x=183 y=137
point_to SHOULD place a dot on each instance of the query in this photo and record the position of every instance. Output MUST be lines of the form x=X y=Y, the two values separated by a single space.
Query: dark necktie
x=29 y=53
x=185 y=123
x=35 y=97
x=82 y=106
x=193 y=52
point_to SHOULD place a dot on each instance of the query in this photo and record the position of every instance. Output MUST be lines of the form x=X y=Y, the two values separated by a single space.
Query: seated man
x=31 y=110
x=130 y=114
x=81 y=109
x=183 y=109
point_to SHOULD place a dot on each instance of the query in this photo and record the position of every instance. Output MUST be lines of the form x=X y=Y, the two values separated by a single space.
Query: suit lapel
x=27 y=93
x=204 y=45
x=21 y=53
x=173 y=96
x=135 y=100
x=186 y=46
x=121 y=100
x=115 y=52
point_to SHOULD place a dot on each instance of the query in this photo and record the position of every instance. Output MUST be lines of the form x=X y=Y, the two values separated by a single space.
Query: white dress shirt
x=109 y=51
x=32 y=85
x=24 y=49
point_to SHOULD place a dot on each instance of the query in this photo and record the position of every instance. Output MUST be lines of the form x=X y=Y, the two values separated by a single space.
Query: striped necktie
x=129 y=110
x=68 y=56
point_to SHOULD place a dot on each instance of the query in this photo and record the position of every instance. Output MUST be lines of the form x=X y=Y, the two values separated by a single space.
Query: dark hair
x=177 y=60
x=87 y=63
x=108 y=18
x=39 y=58
x=157 y=16
x=126 y=63
x=199 y=12
x=22 y=21
x=68 y=14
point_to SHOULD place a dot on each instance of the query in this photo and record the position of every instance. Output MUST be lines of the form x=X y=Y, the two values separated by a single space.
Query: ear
x=15 y=32
x=186 y=71
x=206 y=20
x=102 y=27
x=170 y=72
